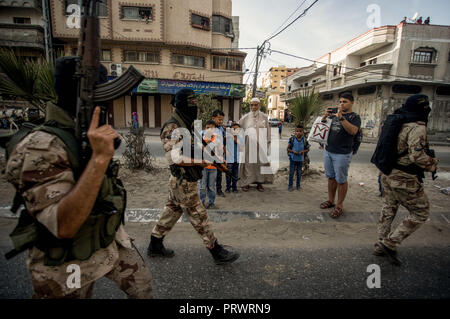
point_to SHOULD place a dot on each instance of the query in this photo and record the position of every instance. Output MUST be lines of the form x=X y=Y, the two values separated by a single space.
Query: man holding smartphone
x=338 y=153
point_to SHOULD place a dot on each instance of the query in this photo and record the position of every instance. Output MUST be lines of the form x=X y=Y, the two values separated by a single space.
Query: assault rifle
x=220 y=166
x=88 y=71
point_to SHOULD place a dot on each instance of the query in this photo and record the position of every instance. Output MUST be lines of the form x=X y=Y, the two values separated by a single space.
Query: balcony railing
x=34 y=4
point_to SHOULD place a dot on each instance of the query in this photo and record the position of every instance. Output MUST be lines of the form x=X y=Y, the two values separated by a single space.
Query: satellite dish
x=415 y=16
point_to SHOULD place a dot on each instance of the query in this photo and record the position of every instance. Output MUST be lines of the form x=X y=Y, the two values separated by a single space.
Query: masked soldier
x=404 y=185
x=183 y=189
x=72 y=221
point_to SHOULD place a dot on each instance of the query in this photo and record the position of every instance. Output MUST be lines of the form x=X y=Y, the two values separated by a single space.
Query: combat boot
x=156 y=248
x=221 y=255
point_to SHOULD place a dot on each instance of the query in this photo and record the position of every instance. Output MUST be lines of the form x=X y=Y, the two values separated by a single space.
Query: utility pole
x=47 y=36
x=255 y=76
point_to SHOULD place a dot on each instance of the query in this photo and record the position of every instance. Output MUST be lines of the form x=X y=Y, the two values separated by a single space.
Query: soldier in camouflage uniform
x=60 y=203
x=404 y=188
x=183 y=188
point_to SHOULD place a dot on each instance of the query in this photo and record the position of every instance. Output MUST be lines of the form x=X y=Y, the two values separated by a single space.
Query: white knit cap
x=255 y=99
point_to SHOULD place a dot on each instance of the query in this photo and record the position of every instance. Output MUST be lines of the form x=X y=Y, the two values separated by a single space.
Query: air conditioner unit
x=115 y=69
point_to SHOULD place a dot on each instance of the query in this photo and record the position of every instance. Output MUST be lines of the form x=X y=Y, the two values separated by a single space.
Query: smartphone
x=333 y=110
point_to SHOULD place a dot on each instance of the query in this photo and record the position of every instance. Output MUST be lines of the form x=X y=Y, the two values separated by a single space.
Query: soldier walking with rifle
x=402 y=155
x=65 y=176
x=183 y=185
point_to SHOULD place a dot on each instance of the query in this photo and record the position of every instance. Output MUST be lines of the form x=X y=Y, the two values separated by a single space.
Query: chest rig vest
x=99 y=229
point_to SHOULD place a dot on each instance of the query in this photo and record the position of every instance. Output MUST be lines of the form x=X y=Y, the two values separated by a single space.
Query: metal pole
x=255 y=77
x=45 y=17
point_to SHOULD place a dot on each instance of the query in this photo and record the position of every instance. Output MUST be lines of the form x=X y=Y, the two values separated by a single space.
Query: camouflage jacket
x=39 y=169
x=413 y=139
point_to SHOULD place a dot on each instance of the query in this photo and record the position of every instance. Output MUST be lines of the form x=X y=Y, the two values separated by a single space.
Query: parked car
x=274 y=122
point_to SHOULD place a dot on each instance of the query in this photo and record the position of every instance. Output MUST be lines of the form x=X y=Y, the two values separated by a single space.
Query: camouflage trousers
x=184 y=197
x=129 y=272
x=401 y=189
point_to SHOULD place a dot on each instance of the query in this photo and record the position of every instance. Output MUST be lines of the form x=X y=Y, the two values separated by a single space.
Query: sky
x=327 y=25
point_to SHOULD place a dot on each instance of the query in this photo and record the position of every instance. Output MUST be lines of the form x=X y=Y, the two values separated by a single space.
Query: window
x=137 y=13
x=373 y=61
x=443 y=90
x=227 y=63
x=141 y=56
x=327 y=97
x=105 y=55
x=222 y=25
x=289 y=88
x=189 y=60
x=423 y=56
x=102 y=7
x=406 y=89
x=200 y=22
x=22 y=20
x=362 y=64
x=367 y=90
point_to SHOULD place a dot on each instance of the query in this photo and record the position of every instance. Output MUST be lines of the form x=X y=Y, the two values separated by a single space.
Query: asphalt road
x=274 y=269
x=316 y=155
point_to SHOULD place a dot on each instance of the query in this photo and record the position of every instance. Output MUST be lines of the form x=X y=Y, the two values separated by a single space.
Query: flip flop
x=326 y=204
x=337 y=211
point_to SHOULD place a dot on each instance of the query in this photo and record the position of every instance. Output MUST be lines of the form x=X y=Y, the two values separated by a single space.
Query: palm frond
x=305 y=106
x=26 y=79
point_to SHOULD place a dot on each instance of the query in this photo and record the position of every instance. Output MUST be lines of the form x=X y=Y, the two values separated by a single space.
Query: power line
x=301 y=15
x=346 y=67
x=298 y=8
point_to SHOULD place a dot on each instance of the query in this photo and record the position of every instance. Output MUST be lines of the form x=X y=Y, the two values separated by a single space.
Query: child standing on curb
x=233 y=167
x=297 y=147
x=208 y=181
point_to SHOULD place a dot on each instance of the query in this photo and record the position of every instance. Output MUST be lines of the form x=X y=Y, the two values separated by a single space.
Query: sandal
x=337 y=211
x=245 y=188
x=326 y=204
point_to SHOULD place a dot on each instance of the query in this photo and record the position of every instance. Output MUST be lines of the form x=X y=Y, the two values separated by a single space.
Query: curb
x=146 y=215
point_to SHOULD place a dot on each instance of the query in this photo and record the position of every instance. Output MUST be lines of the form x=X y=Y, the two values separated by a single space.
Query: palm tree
x=26 y=79
x=303 y=108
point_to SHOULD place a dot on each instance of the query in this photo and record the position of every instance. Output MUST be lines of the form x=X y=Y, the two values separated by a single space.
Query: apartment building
x=382 y=67
x=24 y=28
x=175 y=43
x=272 y=81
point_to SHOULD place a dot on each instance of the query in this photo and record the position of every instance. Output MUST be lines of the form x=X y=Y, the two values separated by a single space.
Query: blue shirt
x=297 y=146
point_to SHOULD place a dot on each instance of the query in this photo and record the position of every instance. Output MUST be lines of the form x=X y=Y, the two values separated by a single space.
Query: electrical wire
x=350 y=68
x=298 y=8
x=301 y=15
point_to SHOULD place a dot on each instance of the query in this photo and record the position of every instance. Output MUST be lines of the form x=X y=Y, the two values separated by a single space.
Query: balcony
x=22 y=36
x=371 y=40
x=34 y=4
x=372 y=71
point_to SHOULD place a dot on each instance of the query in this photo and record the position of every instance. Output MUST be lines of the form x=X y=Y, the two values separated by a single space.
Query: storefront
x=151 y=100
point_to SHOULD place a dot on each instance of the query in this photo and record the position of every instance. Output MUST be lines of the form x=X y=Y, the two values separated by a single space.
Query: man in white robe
x=257 y=143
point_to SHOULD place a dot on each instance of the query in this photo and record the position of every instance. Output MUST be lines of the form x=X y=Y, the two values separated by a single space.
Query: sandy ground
x=150 y=190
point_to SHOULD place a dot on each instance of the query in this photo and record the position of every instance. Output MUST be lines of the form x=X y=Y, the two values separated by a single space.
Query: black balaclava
x=417 y=105
x=66 y=84
x=187 y=111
